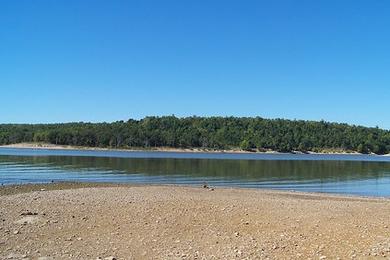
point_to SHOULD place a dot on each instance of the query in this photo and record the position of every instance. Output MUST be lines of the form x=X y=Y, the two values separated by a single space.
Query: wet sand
x=88 y=221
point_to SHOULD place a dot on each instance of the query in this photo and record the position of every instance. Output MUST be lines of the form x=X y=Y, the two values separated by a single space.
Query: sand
x=91 y=221
x=47 y=146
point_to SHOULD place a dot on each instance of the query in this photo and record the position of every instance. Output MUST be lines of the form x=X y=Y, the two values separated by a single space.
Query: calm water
x=348 y=174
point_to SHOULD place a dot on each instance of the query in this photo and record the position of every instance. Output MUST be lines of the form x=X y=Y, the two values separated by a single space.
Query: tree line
x=206 y=132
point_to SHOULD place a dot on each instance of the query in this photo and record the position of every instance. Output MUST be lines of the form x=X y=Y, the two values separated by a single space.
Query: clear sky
x=81 y=60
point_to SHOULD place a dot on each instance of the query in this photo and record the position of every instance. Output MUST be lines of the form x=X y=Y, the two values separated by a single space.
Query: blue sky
x=64 y=61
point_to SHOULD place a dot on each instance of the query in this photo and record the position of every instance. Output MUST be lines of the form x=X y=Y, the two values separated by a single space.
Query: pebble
x=15 y=256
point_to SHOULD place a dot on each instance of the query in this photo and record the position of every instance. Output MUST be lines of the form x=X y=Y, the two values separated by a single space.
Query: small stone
x=110 y=258
x=14 y=256
x=16 y=232
x=29 y=219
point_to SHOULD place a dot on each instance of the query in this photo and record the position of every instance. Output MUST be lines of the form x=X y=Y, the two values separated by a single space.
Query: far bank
x=49 y=146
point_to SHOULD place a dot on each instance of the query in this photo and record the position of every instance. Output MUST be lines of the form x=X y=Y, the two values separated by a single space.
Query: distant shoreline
x=135 y=149
x=47 y=146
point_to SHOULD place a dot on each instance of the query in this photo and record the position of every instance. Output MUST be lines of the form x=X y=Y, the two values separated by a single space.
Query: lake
x=367 y=175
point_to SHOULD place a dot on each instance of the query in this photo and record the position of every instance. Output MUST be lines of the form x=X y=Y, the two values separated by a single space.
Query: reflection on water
x=350 y=177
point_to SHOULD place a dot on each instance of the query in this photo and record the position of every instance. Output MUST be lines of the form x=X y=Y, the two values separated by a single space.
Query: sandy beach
x=98 y=221
x=159 y=149
x=156 y=149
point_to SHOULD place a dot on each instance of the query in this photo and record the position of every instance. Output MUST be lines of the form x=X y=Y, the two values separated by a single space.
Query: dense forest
x=206 y=132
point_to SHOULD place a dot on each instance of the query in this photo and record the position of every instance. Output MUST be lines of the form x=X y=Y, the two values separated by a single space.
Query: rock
x=110 y=258
x=30 y=219
x=15 y=256
x=16 y=232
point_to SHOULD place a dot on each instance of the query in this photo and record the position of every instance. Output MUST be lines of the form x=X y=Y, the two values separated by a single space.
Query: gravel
x=84 y=221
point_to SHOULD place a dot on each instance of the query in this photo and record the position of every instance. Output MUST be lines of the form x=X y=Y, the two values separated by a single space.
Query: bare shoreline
x=86 y=221
x=46 y=146
x=11 y=189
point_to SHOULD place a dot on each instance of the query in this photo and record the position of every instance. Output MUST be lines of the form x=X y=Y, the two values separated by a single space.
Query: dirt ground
x=100 y=221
